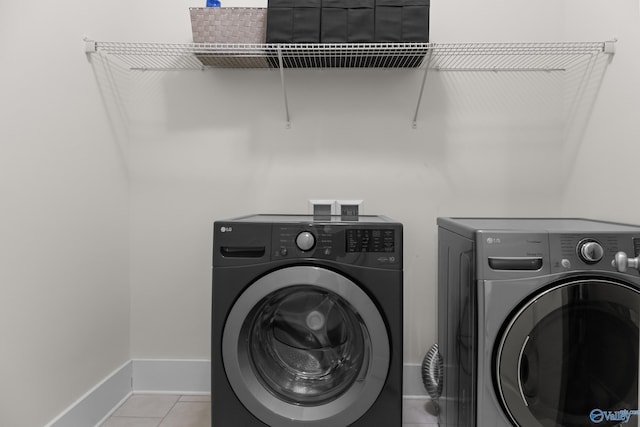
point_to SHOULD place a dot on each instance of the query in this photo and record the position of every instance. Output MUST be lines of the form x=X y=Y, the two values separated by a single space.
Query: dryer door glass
x=569 y=356
x=306 y=346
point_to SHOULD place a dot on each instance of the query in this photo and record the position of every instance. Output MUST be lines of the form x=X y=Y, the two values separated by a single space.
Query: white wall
x=604 y=171
x=213 y=145
x=200 y=146
x=64 y=291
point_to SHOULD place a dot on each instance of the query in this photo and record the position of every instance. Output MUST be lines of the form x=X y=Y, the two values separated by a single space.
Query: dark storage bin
x=402 y=21
x=293 y=21
x=279 y=24
x=348 y=21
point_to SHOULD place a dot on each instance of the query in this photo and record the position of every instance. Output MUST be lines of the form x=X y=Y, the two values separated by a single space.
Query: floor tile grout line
x=134 y=416
x=170 y=409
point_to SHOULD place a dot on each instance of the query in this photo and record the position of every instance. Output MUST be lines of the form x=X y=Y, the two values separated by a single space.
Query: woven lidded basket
x=229 y=24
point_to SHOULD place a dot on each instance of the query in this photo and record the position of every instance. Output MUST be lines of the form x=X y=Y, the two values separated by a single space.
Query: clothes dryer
x=307 y=322
x=538 y=322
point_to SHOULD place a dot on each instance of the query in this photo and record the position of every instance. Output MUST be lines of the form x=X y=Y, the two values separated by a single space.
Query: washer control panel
x=371 y=241
x=361 y=244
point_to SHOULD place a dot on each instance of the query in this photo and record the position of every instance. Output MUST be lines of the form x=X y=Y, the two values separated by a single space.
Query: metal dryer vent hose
x=432 y=372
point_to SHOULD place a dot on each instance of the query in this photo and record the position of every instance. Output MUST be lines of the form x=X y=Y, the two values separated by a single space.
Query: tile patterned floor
x=162 y=410
x=168 y=410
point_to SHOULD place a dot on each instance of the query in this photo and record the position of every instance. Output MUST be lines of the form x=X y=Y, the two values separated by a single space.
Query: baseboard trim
x=169 y=376
x=99 y=402
x=412 y=387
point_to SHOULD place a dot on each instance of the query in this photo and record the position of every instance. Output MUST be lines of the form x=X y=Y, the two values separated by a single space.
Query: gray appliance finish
x=538 y=322
x=307 y=322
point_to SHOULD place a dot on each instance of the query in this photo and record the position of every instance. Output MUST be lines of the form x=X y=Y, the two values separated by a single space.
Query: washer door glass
x=305 y=344
x=569 y=356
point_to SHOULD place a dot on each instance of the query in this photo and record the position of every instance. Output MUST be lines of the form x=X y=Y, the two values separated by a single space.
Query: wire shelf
x=546 y=57
x=440 y=56
x=514 y=56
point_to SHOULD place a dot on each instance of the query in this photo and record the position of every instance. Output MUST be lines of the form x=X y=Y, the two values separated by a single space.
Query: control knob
x=305 y=241
x=621 y=262
x=590 y=251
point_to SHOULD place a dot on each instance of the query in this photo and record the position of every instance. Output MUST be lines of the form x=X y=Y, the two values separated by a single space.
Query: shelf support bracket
x=610 y=46
x=89 y=45
x=424 y=80
x=284 y=88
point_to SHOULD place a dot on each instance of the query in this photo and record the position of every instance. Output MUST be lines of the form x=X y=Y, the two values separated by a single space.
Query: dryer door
x=569 y=357
x=306 y=345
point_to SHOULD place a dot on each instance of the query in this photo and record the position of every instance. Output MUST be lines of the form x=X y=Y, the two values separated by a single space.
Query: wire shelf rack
x=514 y=56
x=440 y=56
x=548 y=57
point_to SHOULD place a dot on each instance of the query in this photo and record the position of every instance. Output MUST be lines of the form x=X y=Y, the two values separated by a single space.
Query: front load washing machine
x=538 y=322
x=307 y=322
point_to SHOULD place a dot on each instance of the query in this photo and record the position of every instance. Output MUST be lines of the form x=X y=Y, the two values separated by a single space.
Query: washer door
x=306 y=345
x=569 y=356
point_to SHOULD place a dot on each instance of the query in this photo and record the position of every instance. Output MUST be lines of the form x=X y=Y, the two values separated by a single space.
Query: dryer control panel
x=593 y=251
x=512 y=254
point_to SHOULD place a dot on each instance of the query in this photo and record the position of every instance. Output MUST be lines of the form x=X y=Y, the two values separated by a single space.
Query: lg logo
x=226 y=229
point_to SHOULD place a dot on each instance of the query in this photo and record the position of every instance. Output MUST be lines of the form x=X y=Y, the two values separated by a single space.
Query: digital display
x=370 y=240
